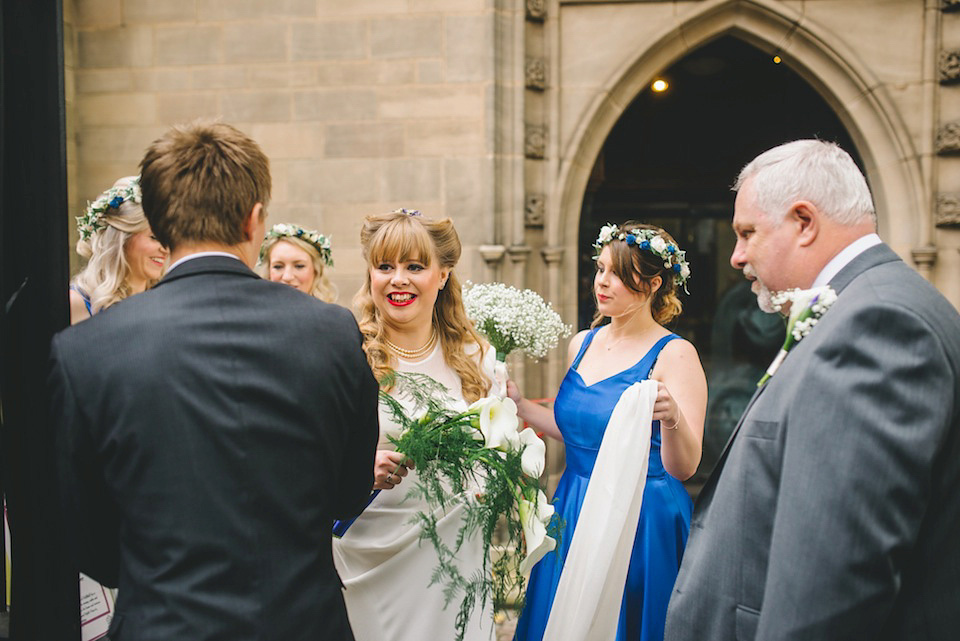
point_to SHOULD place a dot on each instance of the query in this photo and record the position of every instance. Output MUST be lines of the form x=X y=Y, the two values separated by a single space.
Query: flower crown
x=408 y=212
x=92 y=220
x=288 y=230
x=649 y=240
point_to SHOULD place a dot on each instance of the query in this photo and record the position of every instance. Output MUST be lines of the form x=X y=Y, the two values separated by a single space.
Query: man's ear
x=251 y=223
x=806 y=217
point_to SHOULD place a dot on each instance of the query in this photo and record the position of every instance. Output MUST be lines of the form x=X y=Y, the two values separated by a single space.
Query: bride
x=412 y=320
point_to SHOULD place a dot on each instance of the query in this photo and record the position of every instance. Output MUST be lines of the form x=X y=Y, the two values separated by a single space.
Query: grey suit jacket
x=834 y=512
x=209 y=431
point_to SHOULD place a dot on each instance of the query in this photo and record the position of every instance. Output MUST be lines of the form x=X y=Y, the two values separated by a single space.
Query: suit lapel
x=872 y=257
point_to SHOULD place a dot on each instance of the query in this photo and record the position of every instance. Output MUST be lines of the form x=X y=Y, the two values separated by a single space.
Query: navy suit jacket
x=209 y=432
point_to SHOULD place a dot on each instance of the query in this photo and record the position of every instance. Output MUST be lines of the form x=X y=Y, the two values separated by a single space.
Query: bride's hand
x=389 y=468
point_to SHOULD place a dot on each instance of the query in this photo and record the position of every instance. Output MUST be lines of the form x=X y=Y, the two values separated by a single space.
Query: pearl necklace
x=412 y=353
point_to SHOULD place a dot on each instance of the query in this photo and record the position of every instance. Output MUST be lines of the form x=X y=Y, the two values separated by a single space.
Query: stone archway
x=821 y=59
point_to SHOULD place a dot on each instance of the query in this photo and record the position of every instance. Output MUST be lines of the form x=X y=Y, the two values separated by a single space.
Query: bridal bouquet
x=807 y=306
x=514 y=319
x=478 y=458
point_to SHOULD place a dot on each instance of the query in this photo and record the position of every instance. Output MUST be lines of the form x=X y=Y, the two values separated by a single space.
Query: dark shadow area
x=670 y=161
x=33 y=306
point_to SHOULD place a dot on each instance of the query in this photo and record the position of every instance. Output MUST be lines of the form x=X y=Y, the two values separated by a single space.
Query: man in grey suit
x=212 y=428
x=834 y=511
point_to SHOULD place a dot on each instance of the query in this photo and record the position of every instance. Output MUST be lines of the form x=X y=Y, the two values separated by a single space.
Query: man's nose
x=738 y=257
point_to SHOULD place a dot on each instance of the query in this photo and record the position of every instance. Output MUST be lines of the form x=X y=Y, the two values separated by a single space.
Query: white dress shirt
x=846 y=255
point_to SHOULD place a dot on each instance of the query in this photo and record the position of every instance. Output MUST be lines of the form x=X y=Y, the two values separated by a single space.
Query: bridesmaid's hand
x=389 y=468
x=665 y=409
x=513 y=392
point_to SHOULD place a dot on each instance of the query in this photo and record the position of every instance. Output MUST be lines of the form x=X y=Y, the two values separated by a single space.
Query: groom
x=212 y=428
x=834 y=511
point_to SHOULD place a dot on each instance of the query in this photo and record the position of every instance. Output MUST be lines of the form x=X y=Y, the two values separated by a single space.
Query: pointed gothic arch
x=820 y=58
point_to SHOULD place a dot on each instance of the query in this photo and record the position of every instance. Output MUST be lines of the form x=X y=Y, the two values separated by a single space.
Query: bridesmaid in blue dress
x=639 y=270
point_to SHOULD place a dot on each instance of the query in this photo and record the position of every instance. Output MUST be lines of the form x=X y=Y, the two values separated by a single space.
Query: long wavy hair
x=104 y=278
x=321 y=287
x=399 y=236
x=637 y=267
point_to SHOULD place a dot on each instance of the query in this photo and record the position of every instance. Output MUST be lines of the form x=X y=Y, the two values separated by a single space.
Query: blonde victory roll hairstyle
x=403 y=237
x=321 y=288
x=637 y=267
x=104 y=278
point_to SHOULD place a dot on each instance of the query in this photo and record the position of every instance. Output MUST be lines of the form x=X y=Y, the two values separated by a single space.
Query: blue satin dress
x=582 y=412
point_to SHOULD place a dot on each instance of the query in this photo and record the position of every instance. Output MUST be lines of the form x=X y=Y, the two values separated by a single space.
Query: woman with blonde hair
x=640 y=269
x=124 y=258
x=296 y=256
x=412 y=320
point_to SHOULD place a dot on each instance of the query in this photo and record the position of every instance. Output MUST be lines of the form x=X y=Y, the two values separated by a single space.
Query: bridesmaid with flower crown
x=639 y=270
x=123 y=256
x=297 y=257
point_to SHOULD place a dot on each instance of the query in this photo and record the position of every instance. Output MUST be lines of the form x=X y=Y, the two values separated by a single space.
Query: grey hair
x=813 y=170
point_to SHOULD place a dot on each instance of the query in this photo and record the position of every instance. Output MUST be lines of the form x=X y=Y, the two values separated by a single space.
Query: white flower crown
x=289 y=230
x=649 y=240
x=92 y=220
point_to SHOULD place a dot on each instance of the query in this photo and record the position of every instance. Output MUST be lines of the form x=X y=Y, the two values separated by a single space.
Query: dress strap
x=86 y=299
x=583 y=348
x=655 y=351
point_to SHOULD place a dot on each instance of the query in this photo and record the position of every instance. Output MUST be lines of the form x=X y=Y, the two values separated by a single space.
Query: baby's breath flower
x=514 y=319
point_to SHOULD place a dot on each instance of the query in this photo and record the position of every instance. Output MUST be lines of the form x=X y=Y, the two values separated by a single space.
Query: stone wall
x=363 y=106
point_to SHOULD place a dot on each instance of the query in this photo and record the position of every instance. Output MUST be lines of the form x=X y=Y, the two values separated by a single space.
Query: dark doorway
x=670 y=161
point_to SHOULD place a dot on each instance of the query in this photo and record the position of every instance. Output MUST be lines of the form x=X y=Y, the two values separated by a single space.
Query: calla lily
x=533 y=453
x=534 y=518
x=498 y=421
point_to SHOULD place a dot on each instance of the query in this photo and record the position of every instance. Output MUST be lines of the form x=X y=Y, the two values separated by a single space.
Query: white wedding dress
x=386 y=570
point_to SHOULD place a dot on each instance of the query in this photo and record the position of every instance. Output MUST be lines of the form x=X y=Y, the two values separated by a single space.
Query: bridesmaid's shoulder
x=574 y=345
x=679 y=352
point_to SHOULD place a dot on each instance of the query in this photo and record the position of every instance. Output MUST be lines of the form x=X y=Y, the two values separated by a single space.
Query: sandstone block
x=334 y=40
x=117 y=47
x=255 y=42
x=227 y=10
x=255 y=106
x=350 y=104
x=445 y=138
x=332 y=181
x=98 y=110
x=280 y=75
x=96 y=81
x=162 y=79
x=219 y=77
x=361 y=7
x=187 y=45
x=364 y=140
x=411 y=179
x=100 y=13
x=469 y=48
x=118 y=144
x=289 y=140
x=153 y=11
x=173 y=108
x=430 y=72
x=405 y=37
x=463 y=101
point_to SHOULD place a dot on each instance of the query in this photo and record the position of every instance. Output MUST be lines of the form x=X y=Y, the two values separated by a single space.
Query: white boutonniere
x=807 y=306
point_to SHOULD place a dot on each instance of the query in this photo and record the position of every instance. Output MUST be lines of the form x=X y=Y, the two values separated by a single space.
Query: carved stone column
x=492 y=257
x=554 y=363
x=519 y=255
x=924 y=258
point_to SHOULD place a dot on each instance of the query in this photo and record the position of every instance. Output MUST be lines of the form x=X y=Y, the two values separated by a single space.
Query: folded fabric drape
x=590 y=591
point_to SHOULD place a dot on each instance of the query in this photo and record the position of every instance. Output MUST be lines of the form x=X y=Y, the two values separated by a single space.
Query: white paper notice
x=96 y=609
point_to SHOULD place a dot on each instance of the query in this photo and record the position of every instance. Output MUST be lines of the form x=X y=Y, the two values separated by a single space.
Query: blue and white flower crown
x=289 y=230
x=648 y=240
x=92 y=220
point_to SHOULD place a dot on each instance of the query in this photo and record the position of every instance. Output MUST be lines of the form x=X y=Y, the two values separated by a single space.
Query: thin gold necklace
x=412 y=353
